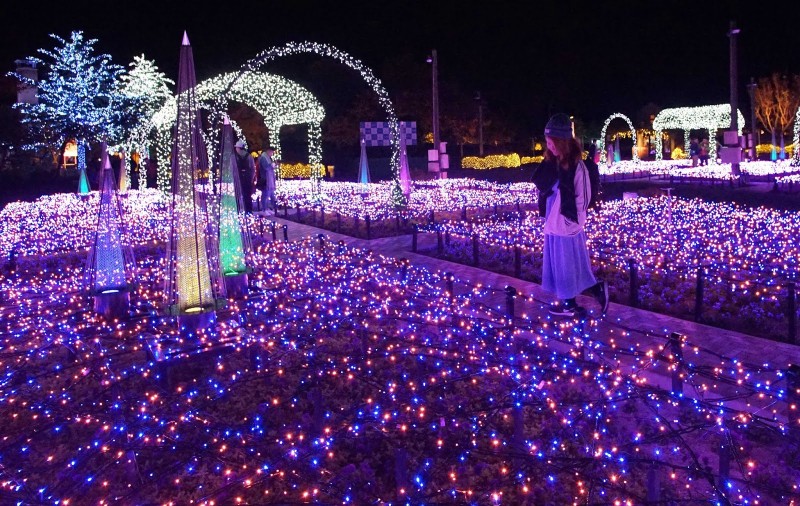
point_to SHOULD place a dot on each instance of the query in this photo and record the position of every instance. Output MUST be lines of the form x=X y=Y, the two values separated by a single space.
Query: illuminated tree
x=777 y=98
x=78 y=98
x=146 y=89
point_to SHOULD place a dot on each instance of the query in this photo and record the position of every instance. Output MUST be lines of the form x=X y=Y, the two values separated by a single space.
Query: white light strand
x=601 y=148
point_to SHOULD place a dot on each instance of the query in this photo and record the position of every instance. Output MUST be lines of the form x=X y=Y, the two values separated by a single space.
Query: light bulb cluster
x=376 y=200
x=749 y=256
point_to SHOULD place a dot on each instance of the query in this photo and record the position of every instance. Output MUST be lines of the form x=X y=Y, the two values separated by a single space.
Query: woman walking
x=564 y=194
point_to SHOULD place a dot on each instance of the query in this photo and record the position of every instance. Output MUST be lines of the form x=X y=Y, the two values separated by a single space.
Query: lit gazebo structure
x=707 y=117
x=280 y=101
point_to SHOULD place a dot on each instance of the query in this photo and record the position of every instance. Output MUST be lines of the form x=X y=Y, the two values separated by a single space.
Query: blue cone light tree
x=363 y=168
x=235 y=246
x=194 y=285
x=83 y=179
x=109 y=267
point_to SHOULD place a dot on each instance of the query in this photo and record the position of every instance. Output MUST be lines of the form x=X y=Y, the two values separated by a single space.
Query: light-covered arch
x=708 y=117
x=326 y=50
x=602 y=147
x=279 y=100
x=796 y=142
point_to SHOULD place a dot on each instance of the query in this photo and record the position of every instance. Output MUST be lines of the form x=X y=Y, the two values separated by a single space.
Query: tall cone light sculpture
x=363 y=169
x=234 y=236
x=110 y=264
x=193 y=281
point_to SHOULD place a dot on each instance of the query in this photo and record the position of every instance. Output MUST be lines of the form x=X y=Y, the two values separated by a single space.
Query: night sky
x=527 y=58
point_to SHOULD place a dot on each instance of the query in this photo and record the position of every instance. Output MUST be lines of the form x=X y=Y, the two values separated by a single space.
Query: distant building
x=27 y=94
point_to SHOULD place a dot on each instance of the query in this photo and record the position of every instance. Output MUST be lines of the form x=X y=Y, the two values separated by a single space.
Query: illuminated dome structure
x=708 y=117
x=279 y=100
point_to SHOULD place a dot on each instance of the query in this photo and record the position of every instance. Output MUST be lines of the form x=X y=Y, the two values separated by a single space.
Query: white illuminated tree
x=79 y=96
x=147 y=90
x=145 y=83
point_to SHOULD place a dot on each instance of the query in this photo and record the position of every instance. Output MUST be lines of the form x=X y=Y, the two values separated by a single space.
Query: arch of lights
x=602 y=146
x=326 y=50
x=708 y=117
x=279 y=100
x=796 y=155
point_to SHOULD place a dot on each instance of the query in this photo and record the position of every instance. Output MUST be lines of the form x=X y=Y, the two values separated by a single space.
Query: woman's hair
x=571 y=149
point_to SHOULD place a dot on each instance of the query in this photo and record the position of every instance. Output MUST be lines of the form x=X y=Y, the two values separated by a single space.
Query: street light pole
x=753 y=128
x=734 y=77
x=480 y=122
x=434 y=61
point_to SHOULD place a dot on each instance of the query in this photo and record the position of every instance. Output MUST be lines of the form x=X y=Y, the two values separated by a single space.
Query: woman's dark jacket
x=545 y=177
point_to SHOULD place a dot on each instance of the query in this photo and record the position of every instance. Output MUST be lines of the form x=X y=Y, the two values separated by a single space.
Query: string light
x=326 y=50
x=601 y=145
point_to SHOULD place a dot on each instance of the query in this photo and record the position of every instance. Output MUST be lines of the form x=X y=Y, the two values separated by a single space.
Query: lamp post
x=480 y=122
x=751 y=88
x=433 y=60
x=734 y=71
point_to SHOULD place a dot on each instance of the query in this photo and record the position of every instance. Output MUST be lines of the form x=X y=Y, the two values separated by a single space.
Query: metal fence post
x=634 y=289
x=698 y=301
x=511 y=294
x=791 y=311
x=675 y=341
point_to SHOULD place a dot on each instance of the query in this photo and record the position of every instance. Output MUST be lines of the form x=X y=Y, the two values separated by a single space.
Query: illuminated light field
x=683 y=168
x=65 y=222
x=352 y=379
x=748 y=255
x=440 y=195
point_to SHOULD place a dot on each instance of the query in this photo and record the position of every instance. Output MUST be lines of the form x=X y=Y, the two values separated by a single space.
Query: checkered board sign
x=377 y=133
